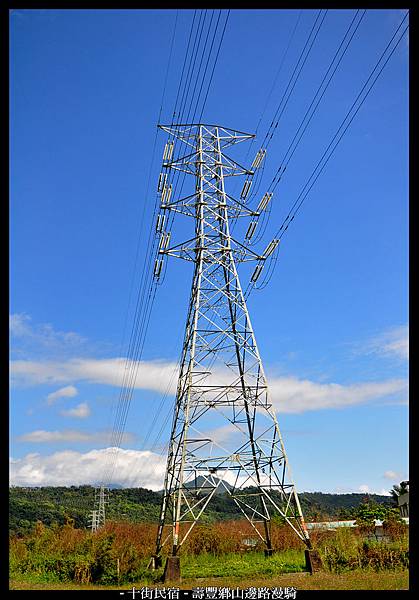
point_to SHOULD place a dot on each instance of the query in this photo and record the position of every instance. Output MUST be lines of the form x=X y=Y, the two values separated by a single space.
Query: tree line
x=58 y=505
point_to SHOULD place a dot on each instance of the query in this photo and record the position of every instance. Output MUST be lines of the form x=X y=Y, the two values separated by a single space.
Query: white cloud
x=133 y=468
x=81 y=411
x=219 y=435
x=289 y=394
x=66 y=392
x=393 y=342
x=364 y=489
x=292 y=395
x=26 y=336
x=19 y=325
x=392 y=475
x=153 y=375
x=130 y=468
x=70 y=435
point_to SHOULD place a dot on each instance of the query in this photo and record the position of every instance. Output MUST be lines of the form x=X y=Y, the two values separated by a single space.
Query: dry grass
x=54 y=558
x=355 y=580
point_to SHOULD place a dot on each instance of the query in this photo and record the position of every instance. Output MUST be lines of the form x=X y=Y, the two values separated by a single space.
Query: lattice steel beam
x=221 y=381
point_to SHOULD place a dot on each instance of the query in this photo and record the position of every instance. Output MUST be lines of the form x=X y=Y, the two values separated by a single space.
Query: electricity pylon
x=97 y=519
x=225 y=432
x=93 y=522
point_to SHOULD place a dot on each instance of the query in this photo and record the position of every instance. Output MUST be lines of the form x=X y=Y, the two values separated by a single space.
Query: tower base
x=155 y=562
x=313 y=561
x=172 y=569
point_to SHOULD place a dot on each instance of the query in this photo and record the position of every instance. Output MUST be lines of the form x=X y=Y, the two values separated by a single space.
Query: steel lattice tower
x=97 y=518
x=225 y=432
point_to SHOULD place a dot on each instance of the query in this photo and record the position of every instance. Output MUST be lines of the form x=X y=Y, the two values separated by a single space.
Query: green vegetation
x=369 y=511
x=119 y=554
x=243 y=565
x=349 y=551
x=54 y=505
x=351 y=580
x=51 y=548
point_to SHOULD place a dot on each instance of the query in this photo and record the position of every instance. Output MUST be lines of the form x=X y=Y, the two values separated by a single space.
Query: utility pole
x=225 y=433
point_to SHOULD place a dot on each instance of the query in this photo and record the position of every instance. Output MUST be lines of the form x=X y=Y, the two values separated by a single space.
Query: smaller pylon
x=102 y=500
x=98 y=516
x=93 y=522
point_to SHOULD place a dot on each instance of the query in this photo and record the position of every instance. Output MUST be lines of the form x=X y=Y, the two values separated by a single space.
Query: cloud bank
x=391 y=343
x=81 y=411
x=42 y=436
x=132 y=468
x=20 y=326
x=289 y=394
x=66 y=392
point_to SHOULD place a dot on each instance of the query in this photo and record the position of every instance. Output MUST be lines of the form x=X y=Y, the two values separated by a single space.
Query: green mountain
x=27 y=505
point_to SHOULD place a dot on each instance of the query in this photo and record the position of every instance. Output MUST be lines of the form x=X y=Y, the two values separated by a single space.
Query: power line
x=177 y=176
x=144 y=307
x=125 y=394
x=183 y=68
x=214 y=65
x=273 y=126
x=273 y=85
x=276 y=76
x=289 y=90
x=346 y=117
x=342 y=129
x=207 y=63
x=266 y=213
x=282 y=167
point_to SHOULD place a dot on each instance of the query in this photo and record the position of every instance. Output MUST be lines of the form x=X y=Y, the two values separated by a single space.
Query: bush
x=63 y=553
x=380 y=556
x=348 y=550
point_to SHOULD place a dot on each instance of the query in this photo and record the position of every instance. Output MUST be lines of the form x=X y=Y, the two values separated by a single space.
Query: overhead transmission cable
x=213 y=67
x=340 y=132
x=268 y=270
x=305 y=122
x=183 y=111
x=141 y=308
x=174 y=178
x=188 y=100
x=178 y=113
x=275 y=79
x=293 y=79
x=206 y=64
x=286 y=95
x=139 y=342
x=165 y=421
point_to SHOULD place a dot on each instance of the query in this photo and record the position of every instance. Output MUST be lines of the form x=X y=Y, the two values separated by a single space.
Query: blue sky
x=85 y=94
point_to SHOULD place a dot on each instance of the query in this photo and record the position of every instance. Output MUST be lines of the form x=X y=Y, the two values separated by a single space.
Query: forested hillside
x=57 y=504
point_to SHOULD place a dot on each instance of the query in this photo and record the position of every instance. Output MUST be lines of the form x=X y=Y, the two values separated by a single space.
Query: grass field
x=355 y=580
x=69 y=558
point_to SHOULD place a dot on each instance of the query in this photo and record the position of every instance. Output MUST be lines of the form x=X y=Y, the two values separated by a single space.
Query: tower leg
x=172 y=569
x=313 y=561
x=155 y=562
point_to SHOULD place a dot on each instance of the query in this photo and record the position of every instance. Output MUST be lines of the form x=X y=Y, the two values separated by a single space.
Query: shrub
x=63 y=553
x=348 y=550
x=380 y=556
